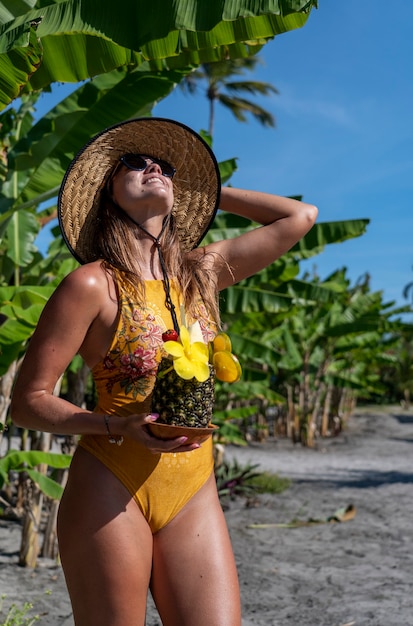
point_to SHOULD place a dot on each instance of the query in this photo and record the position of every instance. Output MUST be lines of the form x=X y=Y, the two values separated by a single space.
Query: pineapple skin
x=182 y=402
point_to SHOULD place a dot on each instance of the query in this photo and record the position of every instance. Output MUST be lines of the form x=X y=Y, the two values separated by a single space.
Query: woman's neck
x=146 y=259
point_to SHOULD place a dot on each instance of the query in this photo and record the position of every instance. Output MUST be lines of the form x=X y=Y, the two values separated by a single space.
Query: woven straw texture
x=196 y=182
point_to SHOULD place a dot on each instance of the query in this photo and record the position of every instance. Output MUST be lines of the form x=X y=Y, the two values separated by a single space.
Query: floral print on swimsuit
x=135 y=357
x=128 y=371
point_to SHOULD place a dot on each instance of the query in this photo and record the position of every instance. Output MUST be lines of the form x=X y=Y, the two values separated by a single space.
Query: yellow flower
x=190 y=356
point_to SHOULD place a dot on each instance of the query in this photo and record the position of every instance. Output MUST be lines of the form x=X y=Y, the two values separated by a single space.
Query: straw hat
x=196 y=182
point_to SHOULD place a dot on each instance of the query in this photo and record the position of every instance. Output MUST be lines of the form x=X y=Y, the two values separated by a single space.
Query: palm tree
x=220 y=88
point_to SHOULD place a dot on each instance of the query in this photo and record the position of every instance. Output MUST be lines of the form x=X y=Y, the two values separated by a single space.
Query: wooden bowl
x=195 y=435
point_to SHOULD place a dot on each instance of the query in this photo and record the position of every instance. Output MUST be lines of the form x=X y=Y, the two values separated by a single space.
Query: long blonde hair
x=115 y=243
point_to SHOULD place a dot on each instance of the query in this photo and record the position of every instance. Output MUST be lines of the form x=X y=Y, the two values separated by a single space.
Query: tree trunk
x=76 y=383
x=33 y=500
x=325 y=418
x=317 y=403
x=50 y=547
x=6 y=385
x=293 y=426
x=29 y=547
x=347 y=405
x=76 y=394
x=33 y=505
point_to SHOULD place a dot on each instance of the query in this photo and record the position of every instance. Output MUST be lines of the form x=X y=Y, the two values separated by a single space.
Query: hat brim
x=197 y=182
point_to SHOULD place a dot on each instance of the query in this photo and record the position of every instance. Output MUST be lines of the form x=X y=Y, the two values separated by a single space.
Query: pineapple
x=182 y=402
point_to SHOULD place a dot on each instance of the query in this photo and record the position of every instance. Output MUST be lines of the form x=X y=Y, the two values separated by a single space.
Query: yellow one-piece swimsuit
x=161 y=484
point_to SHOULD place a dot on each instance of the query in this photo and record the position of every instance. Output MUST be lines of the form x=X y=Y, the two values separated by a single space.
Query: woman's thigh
x=194 y=577
x=105 y=547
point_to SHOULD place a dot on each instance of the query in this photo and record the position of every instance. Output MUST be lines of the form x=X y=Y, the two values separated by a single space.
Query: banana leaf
x=71 y=40
x=21 y=233
x=323 y=233
x=41 y=157
x=26 y=461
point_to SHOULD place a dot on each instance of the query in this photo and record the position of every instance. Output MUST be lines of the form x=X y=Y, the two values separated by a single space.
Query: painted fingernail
x=183 y=439
x=153 y=416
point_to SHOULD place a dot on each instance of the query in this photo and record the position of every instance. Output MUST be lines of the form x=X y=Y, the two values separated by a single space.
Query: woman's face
x=148 y=189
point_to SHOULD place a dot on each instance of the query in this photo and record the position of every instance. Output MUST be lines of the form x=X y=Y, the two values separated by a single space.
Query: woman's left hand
x=135 y=427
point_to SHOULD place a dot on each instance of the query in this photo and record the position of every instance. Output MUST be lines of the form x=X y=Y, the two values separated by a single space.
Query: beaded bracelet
x=112 y=439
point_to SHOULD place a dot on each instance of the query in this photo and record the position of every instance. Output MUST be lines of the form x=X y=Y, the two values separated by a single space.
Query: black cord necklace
x=168 y=300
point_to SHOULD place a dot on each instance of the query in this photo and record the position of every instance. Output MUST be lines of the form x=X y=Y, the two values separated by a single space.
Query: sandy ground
x=357 y=572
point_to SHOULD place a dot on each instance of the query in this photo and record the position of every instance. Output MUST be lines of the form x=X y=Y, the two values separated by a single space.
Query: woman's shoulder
x=81 y=297
x=91 y=279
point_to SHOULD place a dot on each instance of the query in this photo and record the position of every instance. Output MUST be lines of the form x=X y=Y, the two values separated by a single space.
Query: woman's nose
x=152 y=166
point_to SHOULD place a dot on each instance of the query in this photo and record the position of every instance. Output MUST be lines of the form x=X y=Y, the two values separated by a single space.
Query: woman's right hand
x=134 y=427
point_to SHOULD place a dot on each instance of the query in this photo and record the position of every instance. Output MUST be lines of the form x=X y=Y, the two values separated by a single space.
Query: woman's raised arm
x=284 y=222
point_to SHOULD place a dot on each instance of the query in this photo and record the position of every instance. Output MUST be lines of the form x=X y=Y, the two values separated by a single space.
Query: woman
x=135 y=515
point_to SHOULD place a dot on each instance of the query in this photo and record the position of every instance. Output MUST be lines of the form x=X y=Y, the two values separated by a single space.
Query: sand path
x=358 y=572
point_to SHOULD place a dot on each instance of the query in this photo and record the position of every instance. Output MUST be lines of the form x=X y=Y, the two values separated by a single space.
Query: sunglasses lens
x=167 y=170
x=134 y=161
x=138 y=162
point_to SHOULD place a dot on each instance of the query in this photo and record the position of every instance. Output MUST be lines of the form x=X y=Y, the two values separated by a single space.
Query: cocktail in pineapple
x=185 y=385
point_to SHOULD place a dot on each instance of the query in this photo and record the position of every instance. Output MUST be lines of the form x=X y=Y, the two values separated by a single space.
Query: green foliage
x=323 y=233
x=27 y=461
x=39 y=158
x=234 y=479
x=305 y=340
x=21 y=308
x=266 y=482
x=227 y=420
x=396 y=371
x=41 y=43
x=21 y=233
x=17 y=616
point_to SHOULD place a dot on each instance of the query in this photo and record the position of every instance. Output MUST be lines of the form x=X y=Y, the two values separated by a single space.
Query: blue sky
x=344 y=133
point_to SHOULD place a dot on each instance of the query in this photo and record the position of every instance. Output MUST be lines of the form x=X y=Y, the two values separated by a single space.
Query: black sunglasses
x=138 y=162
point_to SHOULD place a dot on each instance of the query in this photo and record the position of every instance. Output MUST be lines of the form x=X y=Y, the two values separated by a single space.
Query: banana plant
x=27 y=462
x=312 y=347
x=397 y=375
x=254 y=312
x=339 y=347
x=275 y=288
x=72 y=40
